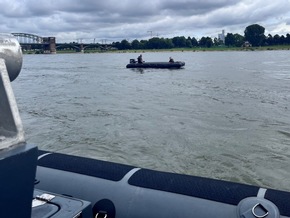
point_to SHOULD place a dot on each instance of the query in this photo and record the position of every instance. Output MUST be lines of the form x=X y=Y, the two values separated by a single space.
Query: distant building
x=247 y=44
x=221 y=36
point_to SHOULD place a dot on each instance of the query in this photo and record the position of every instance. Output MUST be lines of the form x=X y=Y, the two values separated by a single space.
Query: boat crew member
x=140 y=59
x=171 y=60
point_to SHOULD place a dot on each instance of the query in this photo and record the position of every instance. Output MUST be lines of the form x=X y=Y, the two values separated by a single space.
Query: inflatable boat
x=169 y=65
x=119 y=190
x=37 y=183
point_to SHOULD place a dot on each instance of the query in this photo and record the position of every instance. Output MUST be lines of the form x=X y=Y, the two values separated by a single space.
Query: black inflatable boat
x=169 y=65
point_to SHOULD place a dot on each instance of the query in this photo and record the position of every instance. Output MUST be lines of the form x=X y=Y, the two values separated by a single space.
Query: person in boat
x=140 y=59
x=171 y=60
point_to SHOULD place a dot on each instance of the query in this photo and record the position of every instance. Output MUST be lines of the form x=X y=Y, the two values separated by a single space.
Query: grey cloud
x=131 y=19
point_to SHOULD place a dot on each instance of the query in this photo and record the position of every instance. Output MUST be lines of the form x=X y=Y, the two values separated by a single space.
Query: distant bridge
x=28 y=38
x=49 y=45
x=34 y=42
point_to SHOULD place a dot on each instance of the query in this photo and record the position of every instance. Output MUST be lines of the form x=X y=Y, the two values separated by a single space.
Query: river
x=226 y=115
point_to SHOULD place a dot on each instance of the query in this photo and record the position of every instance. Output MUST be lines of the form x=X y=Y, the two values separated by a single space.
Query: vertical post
x=17 y=159
x=52 y=45
x=82 y=48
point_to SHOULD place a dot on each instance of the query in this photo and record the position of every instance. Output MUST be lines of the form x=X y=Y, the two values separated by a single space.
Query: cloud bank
x=70 y=20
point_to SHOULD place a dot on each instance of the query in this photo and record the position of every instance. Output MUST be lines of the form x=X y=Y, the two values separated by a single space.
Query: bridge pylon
x=49 y=45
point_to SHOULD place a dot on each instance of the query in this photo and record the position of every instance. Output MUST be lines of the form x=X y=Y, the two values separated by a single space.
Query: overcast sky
x=114 y=20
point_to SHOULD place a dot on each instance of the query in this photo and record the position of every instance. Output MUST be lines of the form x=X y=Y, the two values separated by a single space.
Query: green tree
x=154 y=43
x=179 y=41
x=255 y=34
x=287 y=40
x=135 y=44
x=282 y=40
x=168 y=43
x=269 y=39
x=143 y=44
x=194 y=42
x=159 y=43
x=239 y=40
x=116 y=45
x=217 y=41
x=276 y=40
x=230 y=39
x=123 y=45
x=188 y=42
x=205 y=42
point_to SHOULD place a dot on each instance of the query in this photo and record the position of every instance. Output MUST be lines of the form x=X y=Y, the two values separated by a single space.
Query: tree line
x=254 y=35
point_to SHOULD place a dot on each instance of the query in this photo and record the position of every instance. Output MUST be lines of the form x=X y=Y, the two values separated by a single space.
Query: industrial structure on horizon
x=222 y=36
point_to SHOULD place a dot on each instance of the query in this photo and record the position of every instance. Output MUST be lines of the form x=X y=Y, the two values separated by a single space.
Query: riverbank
x=217 y=48
x=195 y=49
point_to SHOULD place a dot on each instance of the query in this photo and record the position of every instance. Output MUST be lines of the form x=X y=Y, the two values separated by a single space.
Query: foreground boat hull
x=126 y=191
x=174 y=65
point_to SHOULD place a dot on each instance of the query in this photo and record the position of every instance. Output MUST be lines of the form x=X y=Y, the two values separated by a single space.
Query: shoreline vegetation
x=202 y=49
x=194 y=49
x=254 y=39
